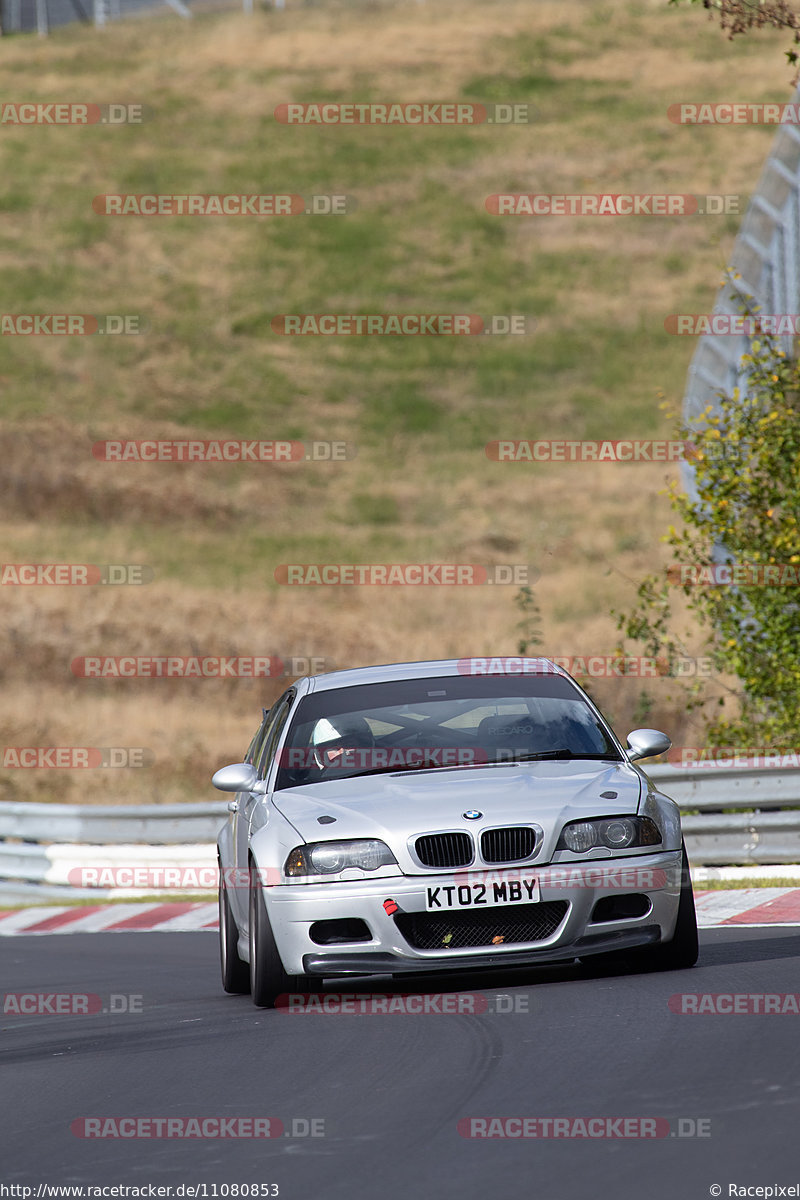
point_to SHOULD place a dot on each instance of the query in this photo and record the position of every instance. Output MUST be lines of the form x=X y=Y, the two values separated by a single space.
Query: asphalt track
x=391 y=1089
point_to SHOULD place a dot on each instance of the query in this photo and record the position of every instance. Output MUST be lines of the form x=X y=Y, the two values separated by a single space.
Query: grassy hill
x=419 y=409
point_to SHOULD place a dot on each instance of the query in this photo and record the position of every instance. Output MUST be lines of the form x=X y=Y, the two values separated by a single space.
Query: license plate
x=493 y=890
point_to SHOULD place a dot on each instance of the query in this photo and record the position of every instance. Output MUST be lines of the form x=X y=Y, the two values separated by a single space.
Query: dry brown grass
x=194 y=726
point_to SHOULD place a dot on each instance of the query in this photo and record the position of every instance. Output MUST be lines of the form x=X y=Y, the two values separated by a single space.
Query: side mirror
x=238 y=777
x=645 y=743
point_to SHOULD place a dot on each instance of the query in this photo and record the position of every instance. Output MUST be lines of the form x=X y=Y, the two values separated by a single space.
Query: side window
x=258 y=740
x=273 y=733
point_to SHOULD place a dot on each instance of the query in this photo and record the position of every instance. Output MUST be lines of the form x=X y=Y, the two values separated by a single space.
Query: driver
x=340 y=742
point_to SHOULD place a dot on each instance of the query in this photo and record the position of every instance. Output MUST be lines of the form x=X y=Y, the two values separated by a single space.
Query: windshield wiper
x=563 y=754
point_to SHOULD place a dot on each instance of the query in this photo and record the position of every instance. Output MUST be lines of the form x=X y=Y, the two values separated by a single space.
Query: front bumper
x=293 y=908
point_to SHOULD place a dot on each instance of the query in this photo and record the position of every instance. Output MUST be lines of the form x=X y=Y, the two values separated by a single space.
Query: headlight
x=615 y=833
x=329 y=858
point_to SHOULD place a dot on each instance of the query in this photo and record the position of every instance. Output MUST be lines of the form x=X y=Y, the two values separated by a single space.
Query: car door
x=248 y=802
x=237 y=886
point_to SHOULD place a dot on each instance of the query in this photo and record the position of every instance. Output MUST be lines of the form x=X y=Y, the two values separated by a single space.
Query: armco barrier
x=764 y=830
x=110 y=824
x=41 y=844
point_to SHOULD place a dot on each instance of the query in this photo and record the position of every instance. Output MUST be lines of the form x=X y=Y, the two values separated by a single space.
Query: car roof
x=431 y=668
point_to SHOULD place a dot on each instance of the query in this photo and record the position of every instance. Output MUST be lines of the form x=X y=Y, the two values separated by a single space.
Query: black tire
x=681 y=951
x=235 y=972
x=675 y=955
x=268 y=980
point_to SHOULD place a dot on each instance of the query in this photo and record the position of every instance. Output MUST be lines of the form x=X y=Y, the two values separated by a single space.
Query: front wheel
x=235 y=973
x=683 y=949
x=675 y=955
x=268 y=980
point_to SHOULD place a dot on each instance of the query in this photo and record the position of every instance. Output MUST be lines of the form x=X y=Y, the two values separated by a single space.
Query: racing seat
x=503 y=737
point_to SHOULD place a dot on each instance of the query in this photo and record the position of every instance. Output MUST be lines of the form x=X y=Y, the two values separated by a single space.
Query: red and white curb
x=180 y=916
x=748 y=906
x=739 y=906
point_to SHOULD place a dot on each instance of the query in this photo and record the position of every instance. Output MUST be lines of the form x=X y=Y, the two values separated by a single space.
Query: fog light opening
x=621 y=908
x=345 y=929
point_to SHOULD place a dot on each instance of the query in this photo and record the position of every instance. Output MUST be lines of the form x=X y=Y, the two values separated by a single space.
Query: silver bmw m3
x=443 y=816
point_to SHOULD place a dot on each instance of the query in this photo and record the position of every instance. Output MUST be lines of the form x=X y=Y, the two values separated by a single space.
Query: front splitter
x=393 y=964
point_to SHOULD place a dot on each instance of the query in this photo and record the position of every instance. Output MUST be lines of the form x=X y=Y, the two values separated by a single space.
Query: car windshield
x=424 y=724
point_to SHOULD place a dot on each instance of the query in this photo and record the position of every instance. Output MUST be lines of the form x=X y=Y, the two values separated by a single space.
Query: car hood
x=396 y=807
